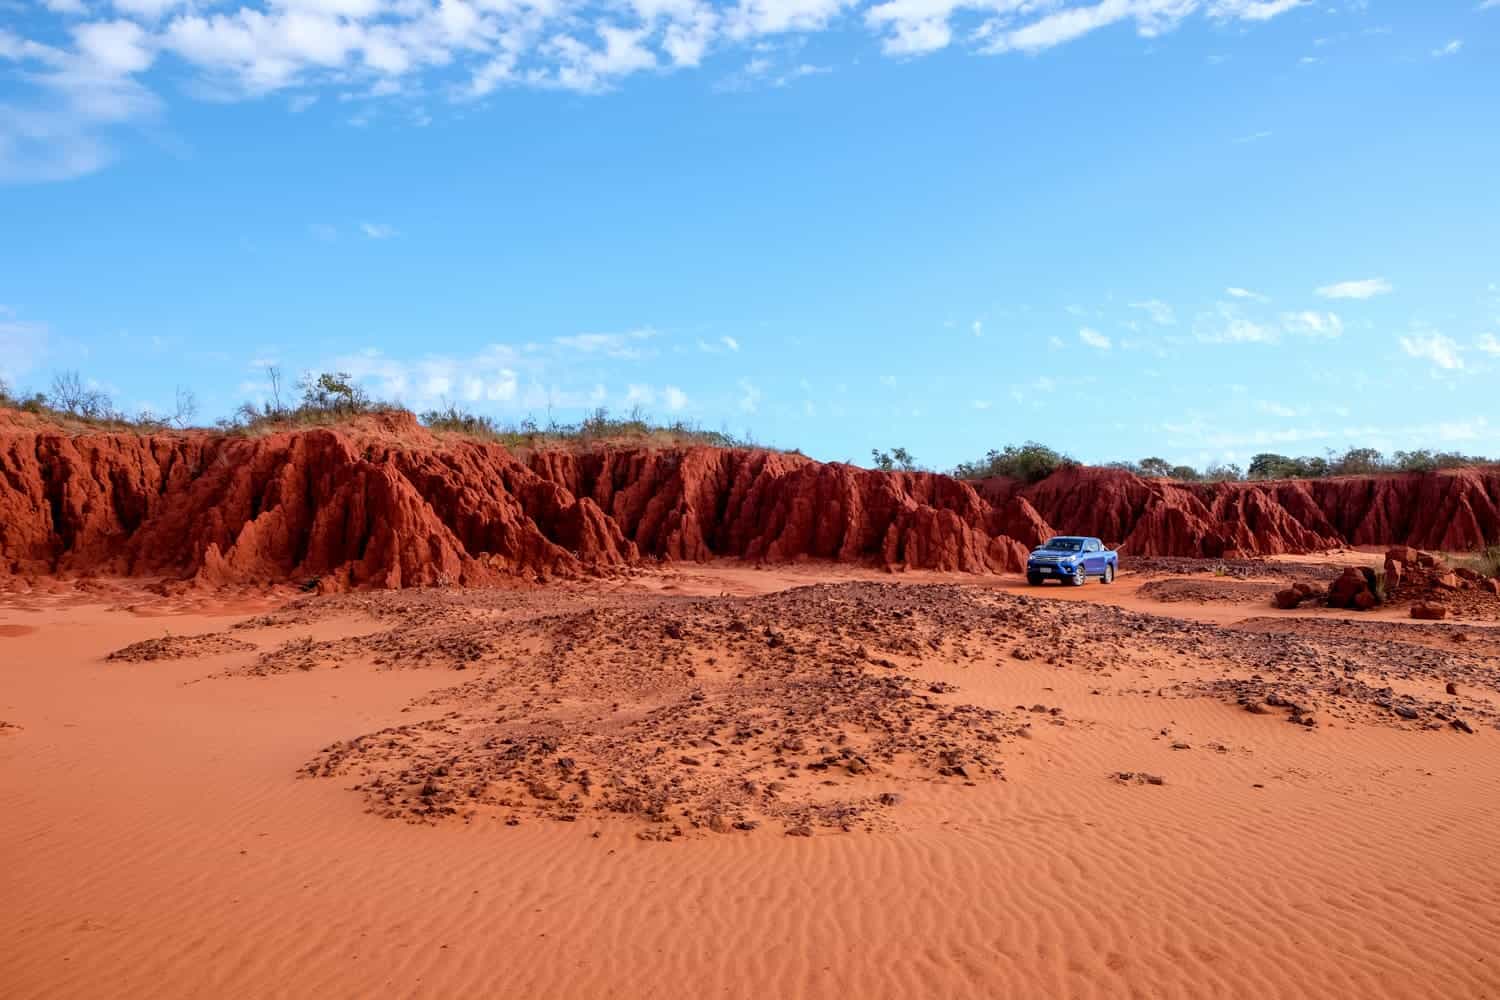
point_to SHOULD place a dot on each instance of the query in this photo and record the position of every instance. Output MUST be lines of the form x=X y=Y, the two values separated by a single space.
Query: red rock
x=1364 y=601
x=383 y=503
x=1464 y=573
x=1346 y=590
x=1429 y=612
x=1490 y=584
x=1289 y=598
x=1448 y=581
x=1452 y=510
x=1401 y=554
x=1395 y=570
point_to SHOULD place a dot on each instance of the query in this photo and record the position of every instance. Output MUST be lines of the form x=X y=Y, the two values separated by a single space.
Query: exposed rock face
x=1452 y=510
x=386 y=504
x=383 y=503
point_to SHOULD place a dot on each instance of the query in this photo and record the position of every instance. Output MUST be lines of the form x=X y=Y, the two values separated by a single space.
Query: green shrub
x=1030 y=462
x=896 y=460
x=1486 y=563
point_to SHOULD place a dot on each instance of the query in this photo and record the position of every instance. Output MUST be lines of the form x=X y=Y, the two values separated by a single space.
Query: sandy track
x=157 y=841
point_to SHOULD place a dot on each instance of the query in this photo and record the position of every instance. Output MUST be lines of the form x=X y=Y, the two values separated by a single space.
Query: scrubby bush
x=1030 y=462
x=1223 y=473
x=1358 y=462
x=72 y=400
x=327 y=398
x=451 y=418
x=896 y=460
x=597 y=427
x=1486 y=563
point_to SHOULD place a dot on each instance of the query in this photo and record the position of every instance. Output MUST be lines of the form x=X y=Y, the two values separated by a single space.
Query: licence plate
x=1044 y=569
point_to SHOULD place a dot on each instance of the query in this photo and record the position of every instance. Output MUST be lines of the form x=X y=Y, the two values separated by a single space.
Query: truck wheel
x=1109 y=574
x=1033 y=580
x=1080 y=577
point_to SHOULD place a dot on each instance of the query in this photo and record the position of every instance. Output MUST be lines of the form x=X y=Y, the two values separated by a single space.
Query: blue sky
x=1189 y=228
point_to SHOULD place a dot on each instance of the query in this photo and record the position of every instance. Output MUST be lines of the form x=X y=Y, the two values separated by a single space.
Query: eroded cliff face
x=383 y=503
x=386 y=504
x=1453 y=510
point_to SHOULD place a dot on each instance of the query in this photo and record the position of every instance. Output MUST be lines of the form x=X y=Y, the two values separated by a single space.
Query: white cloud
x=1488 y=342
x=1366 y=288
x=622 y=346
x=115 y=47
x=1228 y=325
x=749 y=396
x=377 y=230
x=94 y=72
x=1245 y=293
x=1434 y=347
x=61 y=104
x=675 y=398
x=1160 y=312
x=982 y=404
x=749 y=18
x=978 y=328
x=1313 y=324
x=1252 y=137
x=1060 y=22
x=1451 y=49
x=1277 y=409
x=22 y=345
x=491 y=375
x=719 y=346
x=1094 y=338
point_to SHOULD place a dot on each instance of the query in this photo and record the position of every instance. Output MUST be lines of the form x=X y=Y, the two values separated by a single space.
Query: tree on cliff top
x=1030 y=462
x=334 y=392
x=895 y=460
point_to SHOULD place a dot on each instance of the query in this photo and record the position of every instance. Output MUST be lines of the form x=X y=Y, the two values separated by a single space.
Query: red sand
x=161 y=838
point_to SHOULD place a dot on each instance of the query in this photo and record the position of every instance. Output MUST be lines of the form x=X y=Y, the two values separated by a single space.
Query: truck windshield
x=1065 y=545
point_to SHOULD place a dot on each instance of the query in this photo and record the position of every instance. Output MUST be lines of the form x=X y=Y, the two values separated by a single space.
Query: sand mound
x=804 y=708
x=178 y=647
x=716 y=714
x=1173 y=590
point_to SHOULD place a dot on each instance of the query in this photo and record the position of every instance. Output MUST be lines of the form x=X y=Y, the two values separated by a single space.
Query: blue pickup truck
x=1072 y=559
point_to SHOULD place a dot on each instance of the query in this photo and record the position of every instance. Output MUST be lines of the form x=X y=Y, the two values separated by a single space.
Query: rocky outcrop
x=383 y=503
x=1457 y=510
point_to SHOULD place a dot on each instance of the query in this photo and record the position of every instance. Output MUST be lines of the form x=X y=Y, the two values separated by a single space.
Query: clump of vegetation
x=1030 y=462
x=895 y=460
x=326 y=398
x=598 y=427
x=73 y=401
x=1358 y=462
x=1486 y=563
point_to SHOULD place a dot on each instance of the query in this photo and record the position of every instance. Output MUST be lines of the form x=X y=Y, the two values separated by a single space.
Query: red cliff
x=384 y=503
